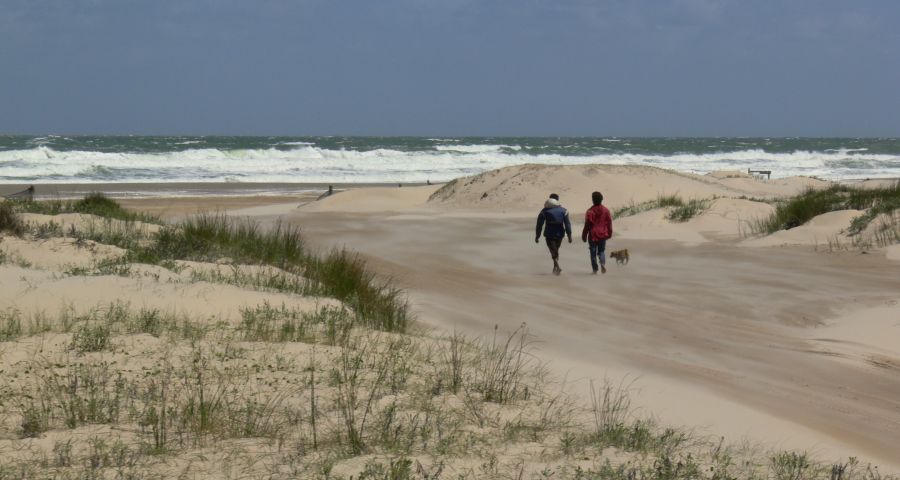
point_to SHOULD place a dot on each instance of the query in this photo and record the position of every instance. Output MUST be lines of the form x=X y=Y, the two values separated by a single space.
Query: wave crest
x=307 y=163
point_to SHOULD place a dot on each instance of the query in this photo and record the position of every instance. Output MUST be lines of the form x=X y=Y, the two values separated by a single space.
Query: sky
x=451 y=67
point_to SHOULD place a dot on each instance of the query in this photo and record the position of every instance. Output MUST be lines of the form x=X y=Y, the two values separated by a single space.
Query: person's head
x=554 y=196
x=597 y=198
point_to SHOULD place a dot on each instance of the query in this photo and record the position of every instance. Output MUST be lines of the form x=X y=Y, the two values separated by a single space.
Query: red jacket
x=597 y=222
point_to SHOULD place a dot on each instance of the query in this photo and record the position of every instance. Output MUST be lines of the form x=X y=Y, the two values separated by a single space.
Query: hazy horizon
x=428 y=136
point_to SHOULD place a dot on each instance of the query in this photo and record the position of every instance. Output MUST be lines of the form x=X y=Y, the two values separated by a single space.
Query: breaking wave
x=305 y=162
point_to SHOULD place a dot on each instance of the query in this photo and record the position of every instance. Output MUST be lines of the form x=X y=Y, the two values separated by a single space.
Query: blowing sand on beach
x=449 y=240
x=416 y=332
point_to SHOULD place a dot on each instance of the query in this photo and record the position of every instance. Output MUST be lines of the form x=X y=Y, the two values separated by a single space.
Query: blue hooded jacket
x=557 y=223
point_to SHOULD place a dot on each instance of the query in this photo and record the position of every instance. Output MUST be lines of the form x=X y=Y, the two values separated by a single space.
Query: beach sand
x=784 y=343
x=773 y=339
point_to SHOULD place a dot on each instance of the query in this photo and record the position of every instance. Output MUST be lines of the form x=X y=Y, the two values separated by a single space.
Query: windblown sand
x=782 y=339
x=786 y=343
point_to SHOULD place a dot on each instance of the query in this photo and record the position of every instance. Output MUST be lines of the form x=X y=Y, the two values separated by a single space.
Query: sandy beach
x=784 y=341
x=288 y=240
x=738 y=335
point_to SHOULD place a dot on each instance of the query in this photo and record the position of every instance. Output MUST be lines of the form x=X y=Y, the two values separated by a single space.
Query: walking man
x=597 y=229
x=554 y=221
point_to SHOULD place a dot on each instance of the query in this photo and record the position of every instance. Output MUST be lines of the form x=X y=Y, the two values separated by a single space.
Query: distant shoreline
x=184 y=189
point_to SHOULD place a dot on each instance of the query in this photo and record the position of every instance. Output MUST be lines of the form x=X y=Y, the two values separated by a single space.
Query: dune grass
x=796 y=211
x=215 y=237
x=9 y=221
x=384 y=402
x=94 y=203
x=339 y=273
x=679 y=209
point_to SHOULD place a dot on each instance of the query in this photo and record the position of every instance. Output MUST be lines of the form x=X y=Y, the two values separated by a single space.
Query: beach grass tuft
x=94 y=203
x=340 y=273
x=679 y=209
x=9 y=220
x=688 y=210
x=214 y=237
x=344 y=275
x=795 y=211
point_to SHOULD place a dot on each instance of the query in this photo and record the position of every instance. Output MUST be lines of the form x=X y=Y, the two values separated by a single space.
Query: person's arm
x=568 y=226
x=587 y=227
x=609 y=223
x=539 y=227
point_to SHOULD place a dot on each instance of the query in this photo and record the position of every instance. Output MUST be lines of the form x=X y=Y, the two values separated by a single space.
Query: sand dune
x=521 y=188
x=59 y=253
x=743 y=341
x=726 y=219
x=829 y=227
x=68 y=222
x=80 y=294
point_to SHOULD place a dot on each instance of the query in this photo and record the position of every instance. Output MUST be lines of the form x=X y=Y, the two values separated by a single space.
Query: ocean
x=142 y=159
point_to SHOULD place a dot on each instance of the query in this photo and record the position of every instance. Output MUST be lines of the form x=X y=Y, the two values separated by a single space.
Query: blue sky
x=451 y=67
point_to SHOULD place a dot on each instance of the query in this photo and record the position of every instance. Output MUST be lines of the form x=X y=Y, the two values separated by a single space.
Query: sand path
x=740 y=341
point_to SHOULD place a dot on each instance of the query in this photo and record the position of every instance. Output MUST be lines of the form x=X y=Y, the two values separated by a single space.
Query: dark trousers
x=553 y=245
x=598 y=250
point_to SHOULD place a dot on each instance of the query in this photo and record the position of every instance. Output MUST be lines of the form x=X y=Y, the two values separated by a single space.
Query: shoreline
x=171 y=190
x=65 y=191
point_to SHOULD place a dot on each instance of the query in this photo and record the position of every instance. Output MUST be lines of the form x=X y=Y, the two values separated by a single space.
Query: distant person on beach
x=597 y=229
x=554 y=222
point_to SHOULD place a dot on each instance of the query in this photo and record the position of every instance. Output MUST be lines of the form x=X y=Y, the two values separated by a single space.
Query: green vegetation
x=339 y=273
x=679 y=209
x=266 y=323
x=9 y=221
x=661 y=201
x=688 y=210
x=91 y=337
x=213 y=237
x=92 y=204
x=796 y=211
x=92 y=330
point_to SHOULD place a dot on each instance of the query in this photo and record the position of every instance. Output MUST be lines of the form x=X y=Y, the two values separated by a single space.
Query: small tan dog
x=621 y=256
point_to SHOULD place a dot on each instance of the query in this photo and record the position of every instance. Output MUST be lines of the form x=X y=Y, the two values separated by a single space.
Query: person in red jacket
x=597 y=229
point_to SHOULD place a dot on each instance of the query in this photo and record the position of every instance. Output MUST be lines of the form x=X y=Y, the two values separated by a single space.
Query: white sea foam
x=476 y=148
x=307 y=163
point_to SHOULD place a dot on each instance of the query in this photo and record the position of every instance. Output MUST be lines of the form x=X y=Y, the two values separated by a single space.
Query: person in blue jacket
x=554 y=221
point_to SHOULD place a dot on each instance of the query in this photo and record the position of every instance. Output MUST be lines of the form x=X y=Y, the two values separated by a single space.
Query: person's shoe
x=595 y=272
x=602 y=269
